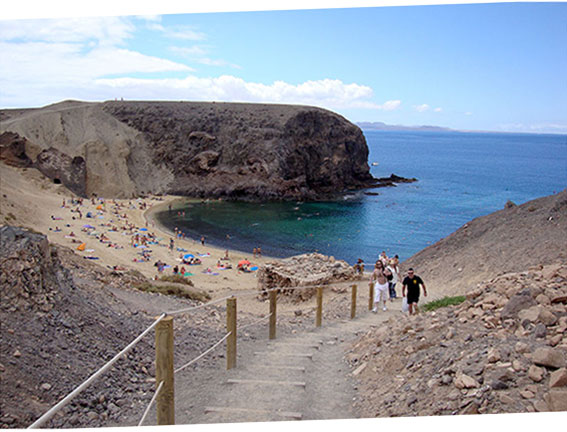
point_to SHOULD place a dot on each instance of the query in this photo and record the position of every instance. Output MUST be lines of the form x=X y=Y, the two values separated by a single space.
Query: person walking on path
x=380 y=280
x=394 y=270
x=412 y=283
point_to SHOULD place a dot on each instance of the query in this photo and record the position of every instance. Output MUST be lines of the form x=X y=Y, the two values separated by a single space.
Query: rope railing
x=231 y=344
x=151 y=403
x=256 y=322
x=45 y=417
x=202 y=354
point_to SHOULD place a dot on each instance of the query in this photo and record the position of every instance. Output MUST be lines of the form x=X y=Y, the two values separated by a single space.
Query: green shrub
x=177 y=279
x=445 y=301
x=174 y=290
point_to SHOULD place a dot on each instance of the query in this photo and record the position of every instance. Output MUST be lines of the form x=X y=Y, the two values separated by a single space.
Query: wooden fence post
x=231 y=328
x=370 y=296
x=319 y=314
x=353 y=303
x=273 y=300
x=164 y=372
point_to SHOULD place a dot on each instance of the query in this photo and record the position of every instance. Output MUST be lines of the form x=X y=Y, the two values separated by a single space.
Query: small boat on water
x=374 y=163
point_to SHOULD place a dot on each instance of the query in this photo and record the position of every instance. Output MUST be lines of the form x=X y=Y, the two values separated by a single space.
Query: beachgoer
x=175 y=270
x=202 y=240
x=171 y=244
x=254 y=252
x=384 y=258
x=259 y=252
x=412 y=283
x=380 y=281
x=395 y=278
x=226 y=255
x=359 y=266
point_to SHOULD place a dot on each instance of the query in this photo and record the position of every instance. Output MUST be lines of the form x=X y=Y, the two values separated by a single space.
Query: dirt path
x=298 y=376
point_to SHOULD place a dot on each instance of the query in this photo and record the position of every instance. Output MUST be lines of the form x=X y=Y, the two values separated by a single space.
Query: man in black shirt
x=412 y=283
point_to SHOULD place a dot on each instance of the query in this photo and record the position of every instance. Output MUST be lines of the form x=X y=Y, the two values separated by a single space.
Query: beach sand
x=31 y=200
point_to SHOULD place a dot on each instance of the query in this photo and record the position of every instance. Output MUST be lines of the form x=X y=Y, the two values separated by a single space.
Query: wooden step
x=286 y=414
x=254 y=381
x=305 y=355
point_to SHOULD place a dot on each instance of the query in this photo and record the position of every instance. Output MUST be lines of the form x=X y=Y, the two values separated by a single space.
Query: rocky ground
x=510 y=240
x=63 y=317
x=504 y=350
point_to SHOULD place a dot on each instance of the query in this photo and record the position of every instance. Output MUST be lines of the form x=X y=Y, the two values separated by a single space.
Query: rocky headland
x=119 y=149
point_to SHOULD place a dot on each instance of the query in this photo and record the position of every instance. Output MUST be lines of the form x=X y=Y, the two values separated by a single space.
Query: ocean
x=461 y=176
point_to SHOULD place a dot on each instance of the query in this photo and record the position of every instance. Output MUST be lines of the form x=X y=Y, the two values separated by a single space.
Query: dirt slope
x=510 y=240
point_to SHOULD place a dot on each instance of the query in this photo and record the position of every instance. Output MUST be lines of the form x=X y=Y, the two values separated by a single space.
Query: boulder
x=556 y=399
x=549 y=357
x=463 y=381
x=547 y=318
x=558 y=378
x=516 y=304
x=531 y=314
x=536 y=373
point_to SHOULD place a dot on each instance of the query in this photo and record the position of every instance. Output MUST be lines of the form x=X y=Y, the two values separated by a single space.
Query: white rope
x=39 y=422
x=203 y=354
x=150 y=404
x=198 y=307
x=256 y=322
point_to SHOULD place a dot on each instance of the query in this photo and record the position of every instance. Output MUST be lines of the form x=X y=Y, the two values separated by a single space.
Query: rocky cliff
x=241 y=151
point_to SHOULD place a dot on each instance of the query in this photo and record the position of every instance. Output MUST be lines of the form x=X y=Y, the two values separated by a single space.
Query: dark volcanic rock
x=28 y=269
x=13 y=150
x=251 y=151
x=62 y=168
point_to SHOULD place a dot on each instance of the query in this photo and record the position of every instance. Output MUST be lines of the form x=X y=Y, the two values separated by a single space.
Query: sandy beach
x=35 y=202
x=31 y=200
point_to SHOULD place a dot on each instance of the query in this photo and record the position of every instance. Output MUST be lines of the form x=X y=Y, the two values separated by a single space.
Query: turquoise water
x=461 y=176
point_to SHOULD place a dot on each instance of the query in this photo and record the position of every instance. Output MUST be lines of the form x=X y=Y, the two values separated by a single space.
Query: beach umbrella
x=143 y=229
x=88 y=226
x=187 y=256
x=243 y=262
x=99 y=207
x=82 y=246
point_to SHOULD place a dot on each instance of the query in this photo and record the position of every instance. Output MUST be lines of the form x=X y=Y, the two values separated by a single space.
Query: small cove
x=461 y=176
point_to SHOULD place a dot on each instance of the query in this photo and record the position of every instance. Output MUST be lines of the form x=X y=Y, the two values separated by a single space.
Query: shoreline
x=149 y=217
x=30 y=200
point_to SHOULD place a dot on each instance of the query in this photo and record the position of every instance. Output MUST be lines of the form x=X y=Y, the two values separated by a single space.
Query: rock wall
x=308 y=270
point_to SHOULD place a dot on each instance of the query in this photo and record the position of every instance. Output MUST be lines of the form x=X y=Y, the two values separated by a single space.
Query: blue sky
x=500 y=67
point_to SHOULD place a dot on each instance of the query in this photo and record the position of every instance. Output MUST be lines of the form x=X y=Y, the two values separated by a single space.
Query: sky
x=497 y=67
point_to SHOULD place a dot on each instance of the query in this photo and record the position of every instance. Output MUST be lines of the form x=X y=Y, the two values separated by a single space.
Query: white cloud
x=106 y=31
x=198 y=54
x=422 y=108
x=88 y=59
x=192 y=51
x=327 y=93
x=177 y=32
x=390 y=105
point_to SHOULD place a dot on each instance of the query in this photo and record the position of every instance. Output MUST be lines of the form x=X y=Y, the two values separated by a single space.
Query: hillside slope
x=509 y=240
x=247 y=151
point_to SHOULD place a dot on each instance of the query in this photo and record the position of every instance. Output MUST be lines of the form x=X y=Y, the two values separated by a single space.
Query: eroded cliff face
x=229 y=150
x=250 y=151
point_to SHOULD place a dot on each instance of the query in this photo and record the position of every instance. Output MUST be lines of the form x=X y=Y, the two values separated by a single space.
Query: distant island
x=386 y=127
